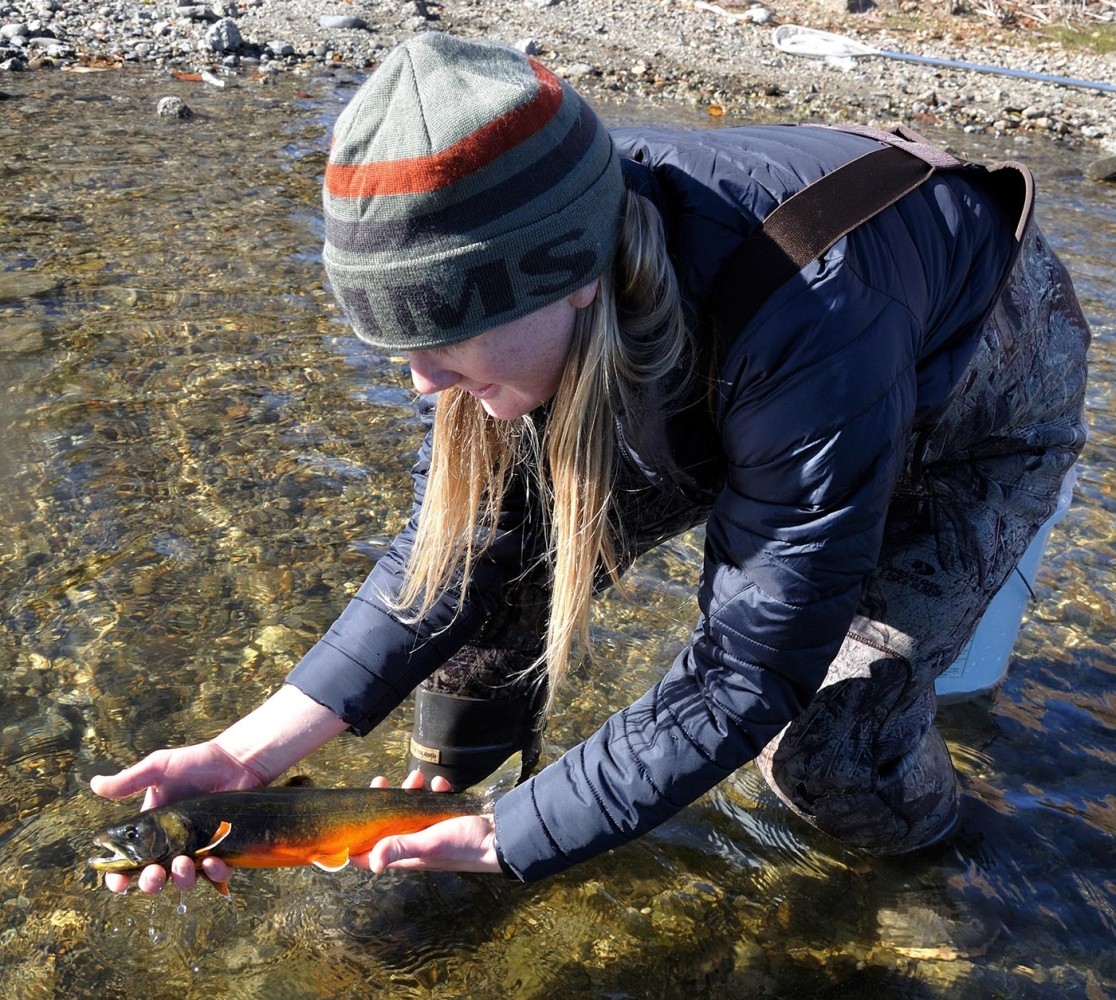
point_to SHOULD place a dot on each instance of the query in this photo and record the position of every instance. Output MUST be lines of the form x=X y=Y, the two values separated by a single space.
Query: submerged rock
x=173 y=107
x=1103 y=170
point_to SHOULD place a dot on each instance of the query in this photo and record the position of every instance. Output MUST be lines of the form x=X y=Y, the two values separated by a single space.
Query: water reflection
x=200 y=465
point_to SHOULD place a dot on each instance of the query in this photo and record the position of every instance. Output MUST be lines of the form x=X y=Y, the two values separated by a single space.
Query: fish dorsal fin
x=332 y=862
x=224 y=828
x=298 y=781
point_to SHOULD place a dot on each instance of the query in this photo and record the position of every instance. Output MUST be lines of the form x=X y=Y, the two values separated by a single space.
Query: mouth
x=117 y=861
x=484 y=391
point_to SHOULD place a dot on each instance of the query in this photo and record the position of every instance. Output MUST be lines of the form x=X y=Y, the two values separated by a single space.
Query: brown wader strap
x=805 y=226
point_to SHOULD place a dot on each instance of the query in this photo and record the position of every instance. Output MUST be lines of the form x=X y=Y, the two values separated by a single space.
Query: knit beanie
x=467 y=186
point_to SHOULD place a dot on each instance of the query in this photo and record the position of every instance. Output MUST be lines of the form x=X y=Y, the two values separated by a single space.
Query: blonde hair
x=633 y=332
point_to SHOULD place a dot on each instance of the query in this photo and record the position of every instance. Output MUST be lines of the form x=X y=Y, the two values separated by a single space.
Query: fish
x=275 y=827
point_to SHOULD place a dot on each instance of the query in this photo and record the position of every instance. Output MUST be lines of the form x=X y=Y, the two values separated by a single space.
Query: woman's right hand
x=167 y=776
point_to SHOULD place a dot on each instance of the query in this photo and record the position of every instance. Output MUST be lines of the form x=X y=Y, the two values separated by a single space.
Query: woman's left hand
x=462 y=844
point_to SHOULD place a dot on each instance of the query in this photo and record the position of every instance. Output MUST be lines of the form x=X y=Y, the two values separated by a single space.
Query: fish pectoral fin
x=221 y=887
x=224 y=828
x=332 y=862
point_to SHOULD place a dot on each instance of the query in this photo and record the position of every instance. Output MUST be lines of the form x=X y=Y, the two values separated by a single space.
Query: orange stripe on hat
x=428 y=173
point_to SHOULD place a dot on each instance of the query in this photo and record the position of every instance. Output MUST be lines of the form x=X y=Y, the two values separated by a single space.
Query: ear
x=584 y=295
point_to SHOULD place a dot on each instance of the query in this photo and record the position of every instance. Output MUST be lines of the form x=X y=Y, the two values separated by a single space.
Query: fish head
x=150 y=838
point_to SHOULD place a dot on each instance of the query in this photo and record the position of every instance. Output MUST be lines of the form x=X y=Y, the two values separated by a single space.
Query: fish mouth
x=118 y=861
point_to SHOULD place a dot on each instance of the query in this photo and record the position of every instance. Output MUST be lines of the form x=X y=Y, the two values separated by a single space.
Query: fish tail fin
x=503 y=779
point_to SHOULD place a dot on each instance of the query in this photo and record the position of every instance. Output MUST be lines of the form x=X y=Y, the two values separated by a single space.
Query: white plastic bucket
x=983 y=661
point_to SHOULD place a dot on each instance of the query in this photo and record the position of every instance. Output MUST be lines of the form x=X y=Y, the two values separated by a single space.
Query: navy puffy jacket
x=824 y=389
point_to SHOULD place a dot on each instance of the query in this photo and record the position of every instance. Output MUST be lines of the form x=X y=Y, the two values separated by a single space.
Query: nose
x=429 y=375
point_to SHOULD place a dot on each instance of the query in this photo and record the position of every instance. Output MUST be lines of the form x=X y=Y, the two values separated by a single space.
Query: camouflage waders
x=864 y=762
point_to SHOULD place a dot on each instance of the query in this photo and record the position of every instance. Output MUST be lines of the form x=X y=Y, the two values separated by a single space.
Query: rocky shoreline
x=716 y=58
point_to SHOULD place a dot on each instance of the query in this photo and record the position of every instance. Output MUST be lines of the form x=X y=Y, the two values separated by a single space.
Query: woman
x=871 y=453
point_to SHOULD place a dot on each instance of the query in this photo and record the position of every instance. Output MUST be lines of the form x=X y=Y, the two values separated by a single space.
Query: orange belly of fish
x=329 y=849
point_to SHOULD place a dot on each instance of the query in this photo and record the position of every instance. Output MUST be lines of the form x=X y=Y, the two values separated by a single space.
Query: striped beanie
x=467 y=186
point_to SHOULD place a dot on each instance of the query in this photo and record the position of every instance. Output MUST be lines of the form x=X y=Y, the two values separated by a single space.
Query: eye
x=132 y=833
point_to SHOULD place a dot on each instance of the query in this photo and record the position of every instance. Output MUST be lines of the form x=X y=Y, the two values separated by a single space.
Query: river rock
x=17 y=285
x=196 y=12
x=757 y=15
x=341 y=21
x=223 y=36
x=173 y=107
x=1103 y=169
x=20 y=336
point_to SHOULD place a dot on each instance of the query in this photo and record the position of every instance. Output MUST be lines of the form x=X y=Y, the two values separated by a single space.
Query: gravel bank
x=718 y=58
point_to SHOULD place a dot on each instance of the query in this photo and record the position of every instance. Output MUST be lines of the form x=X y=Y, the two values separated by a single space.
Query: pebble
x=173 y=107
x=757 y=15
x=340 y=21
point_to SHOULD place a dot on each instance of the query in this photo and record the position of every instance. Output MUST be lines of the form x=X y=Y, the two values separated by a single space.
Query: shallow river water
x=199 y=464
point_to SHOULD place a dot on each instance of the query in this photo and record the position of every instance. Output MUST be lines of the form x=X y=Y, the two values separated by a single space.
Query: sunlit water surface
x=200 y=464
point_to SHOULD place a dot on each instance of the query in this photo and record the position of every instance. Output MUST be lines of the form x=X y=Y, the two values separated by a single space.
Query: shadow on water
x=200 y=465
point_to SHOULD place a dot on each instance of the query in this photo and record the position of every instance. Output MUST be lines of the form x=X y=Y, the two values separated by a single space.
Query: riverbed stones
x=712 y=56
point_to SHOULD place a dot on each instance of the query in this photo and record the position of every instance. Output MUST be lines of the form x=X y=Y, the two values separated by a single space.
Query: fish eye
x=131 y=832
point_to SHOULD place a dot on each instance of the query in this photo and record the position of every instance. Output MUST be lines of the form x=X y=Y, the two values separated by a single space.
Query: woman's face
x=512 y=369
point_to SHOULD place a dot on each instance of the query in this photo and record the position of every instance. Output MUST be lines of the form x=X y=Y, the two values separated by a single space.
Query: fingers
x=415 y=779
x=392 y=851
x=216 y=869
x=145 y=774
x=183 y=875
x=122 y=784
x=115 y=882
x=464 y=844
x=152 y=879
